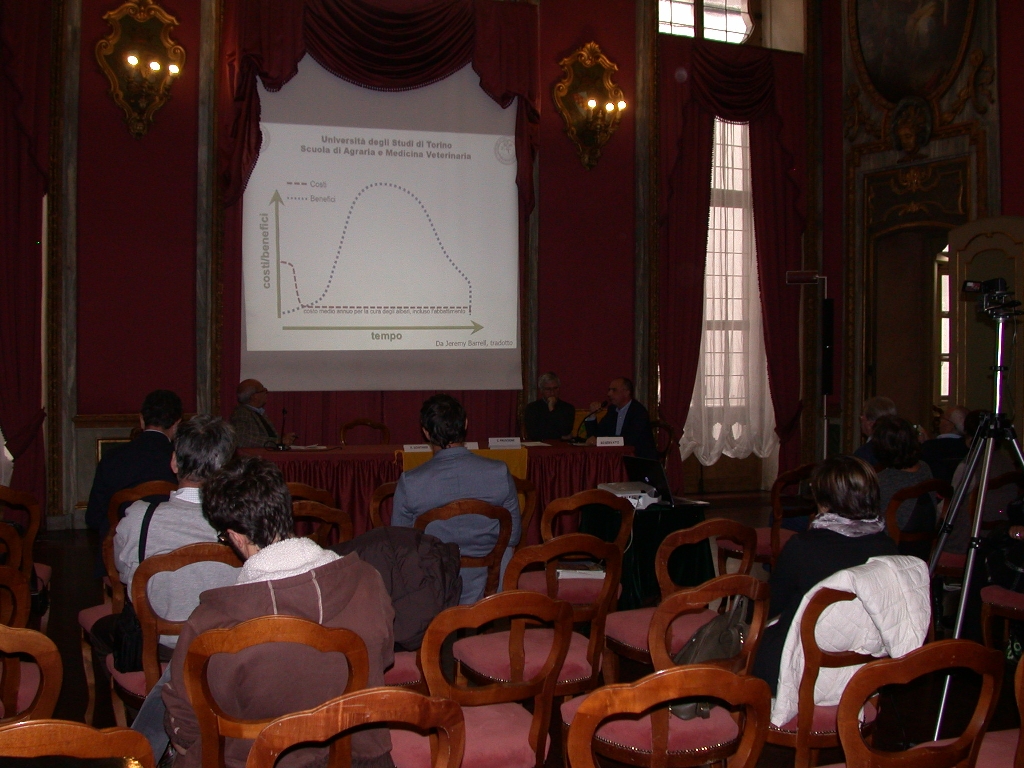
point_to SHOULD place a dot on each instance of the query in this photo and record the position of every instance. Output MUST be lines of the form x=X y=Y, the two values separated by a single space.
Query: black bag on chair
x=127 y=634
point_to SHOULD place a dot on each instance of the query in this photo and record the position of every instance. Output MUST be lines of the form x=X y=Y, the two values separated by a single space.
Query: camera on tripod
x=994 y=296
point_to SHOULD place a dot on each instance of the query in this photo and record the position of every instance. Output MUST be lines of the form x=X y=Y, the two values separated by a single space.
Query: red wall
x=136 y=232
x=586 y=217
x=1010 y=60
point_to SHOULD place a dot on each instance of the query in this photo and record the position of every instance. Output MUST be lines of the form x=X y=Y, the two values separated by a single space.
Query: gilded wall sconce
x=140 y=60
x=589 y=102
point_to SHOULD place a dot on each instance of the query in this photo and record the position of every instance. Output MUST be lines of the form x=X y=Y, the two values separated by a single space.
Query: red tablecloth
x=353 y=473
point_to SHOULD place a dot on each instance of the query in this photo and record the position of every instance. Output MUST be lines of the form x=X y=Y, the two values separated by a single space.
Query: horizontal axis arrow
x=474 y=327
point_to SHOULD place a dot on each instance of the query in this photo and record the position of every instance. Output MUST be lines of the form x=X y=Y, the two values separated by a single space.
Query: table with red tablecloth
x=353 y=472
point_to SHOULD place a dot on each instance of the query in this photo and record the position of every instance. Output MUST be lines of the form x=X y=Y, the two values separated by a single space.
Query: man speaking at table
x=626 y=418
x=455 y=473
x=252 y=428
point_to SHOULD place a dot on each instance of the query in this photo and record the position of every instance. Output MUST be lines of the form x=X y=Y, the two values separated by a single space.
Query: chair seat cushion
x=497 y=736
x=764 y=542
x=404 y=671
x=27 y=687
x=573 y=591
x=1003 y=597
x=43 y=573
x=87 y=617
x=683 y=735
x=631 y=627
x=487 y=655
x=133 y=682
x=824 y=720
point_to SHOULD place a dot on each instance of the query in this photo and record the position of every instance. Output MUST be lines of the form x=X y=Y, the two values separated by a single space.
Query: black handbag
x=127 y=632
x=721 y=638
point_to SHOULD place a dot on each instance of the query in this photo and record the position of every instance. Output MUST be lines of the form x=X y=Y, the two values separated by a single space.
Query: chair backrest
x=527 y=493
x=394 y=706
x=153 y=625
x=117 y=589
x=577 y=500
x=520 y=607
x=664 y=438
x=934 y=657
x=743 y=535
x=12 y=543
x=385 y=433
x=787 y=505
x=214 y=723
x=303 y=492
x=15 y=597
x=697 y=599
x=941 y=487
x=51 y=673
x=44 y=738
x=548 y=554
x=383 y=492
x=654 y=692
x=492 y=560
x=135 y=493
x=330 y=519
x=996 y=483
x=19 y=500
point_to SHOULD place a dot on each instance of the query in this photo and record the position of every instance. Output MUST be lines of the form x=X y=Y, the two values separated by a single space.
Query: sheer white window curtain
x=731 y=410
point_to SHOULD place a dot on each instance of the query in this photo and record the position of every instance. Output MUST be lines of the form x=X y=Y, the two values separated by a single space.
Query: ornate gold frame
x=142 y=29
x=588 y=76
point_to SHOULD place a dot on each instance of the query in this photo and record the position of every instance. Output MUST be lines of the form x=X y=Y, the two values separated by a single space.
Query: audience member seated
x=944 y=452
x=873 y=410
x=455 y=473
x=549 y=418
x=625 y=418
x=848 y=529
x=147 y=457
x=248 y=503
x=899 y=455
x=252 y=427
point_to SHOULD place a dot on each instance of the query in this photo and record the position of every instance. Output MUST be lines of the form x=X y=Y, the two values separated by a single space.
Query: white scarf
x=830 y=521
x=282 y=559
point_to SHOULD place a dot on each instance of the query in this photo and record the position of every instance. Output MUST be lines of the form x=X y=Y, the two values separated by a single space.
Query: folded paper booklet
x=572 y=573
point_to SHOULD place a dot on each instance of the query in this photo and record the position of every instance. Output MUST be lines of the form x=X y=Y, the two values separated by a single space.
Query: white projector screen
x=380 y=239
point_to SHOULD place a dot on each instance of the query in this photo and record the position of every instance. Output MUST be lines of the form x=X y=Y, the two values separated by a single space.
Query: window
x=731 y=409
x=725 y=20
x=942 y=321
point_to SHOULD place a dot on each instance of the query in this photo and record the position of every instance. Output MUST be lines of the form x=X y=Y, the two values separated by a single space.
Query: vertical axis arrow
x=277 y=203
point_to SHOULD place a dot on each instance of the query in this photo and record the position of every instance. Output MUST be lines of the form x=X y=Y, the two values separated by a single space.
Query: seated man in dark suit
x=549 y=418
x=626 y=418
x=147 y=457
x=946 y=450
x=252 y=428
x=455 y=473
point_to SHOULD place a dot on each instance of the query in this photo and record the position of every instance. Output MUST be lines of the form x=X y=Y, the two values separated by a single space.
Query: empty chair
x=384 y=434
x=30 y=688
x=380 y=495
x=999 y=603
x=1005 y=747
x=303 y=492
x=664 y=439
x=440 y=717
x=527 y=493
x=44 y=738
x=333 y=526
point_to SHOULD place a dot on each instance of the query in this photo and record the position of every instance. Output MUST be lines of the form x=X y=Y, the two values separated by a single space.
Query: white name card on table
x=499 y=443
x=472 y=445
x=416 y=448
x=607 y=441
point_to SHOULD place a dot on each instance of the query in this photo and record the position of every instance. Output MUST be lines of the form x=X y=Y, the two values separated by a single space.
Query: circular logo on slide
x=505 y=150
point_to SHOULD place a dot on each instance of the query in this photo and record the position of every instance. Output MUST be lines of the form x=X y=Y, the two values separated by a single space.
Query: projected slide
x=376 y=239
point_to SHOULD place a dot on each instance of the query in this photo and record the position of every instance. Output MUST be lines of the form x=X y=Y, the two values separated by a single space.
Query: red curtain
x=387 y=45
x=702 y=80
x=24 y=154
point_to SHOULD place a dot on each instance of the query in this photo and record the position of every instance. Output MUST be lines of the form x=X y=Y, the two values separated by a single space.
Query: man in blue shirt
x=626 y=418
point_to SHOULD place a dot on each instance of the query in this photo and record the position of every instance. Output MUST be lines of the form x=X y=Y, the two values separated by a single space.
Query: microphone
x=577 y=437
x=280 y=438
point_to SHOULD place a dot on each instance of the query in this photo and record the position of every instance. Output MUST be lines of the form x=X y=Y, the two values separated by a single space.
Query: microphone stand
x=577 y=438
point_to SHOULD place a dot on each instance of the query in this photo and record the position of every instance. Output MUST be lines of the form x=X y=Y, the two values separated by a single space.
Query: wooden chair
x=27 y=507
x=664 y=439
x=934 y=657
x=385 y=433
x=492 y=560
x=924 y=538
x=660 y=739
x=394 y=707
x=87 y=618
x=215 y=725
x=154 y=488
x=30 y=688
x=999 y=602
x=383 y=492
x=499 y=730
x=999 y=748
x=15 y=597
x=330 y=519
x=770 y=541
x=43 y=738
x=814 y=727
x=527 y=493
x=626 y=631
x=479 y=657
x=303 y=492
x=11 y=540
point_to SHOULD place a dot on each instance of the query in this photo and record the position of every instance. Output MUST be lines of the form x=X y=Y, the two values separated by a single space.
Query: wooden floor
x=909 y=718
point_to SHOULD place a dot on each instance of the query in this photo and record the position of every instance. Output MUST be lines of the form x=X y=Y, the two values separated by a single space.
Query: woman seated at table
x=899 y=455
x=847 y=530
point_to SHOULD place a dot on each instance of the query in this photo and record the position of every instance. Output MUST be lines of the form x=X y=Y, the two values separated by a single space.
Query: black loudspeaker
x=827 y=326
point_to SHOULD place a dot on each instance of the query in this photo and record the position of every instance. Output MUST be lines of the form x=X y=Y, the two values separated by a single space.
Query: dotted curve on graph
x=341 y=244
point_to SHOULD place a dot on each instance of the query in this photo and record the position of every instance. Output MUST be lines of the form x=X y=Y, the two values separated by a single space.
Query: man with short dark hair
x=248 y=504
x=455 y=473
x=549 y=418
x=146 y=458
x=626 y=418
x=874 y=409
x=252 y=427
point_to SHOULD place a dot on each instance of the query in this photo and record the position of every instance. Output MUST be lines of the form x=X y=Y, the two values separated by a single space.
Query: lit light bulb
x=609 y=107
x=173 y=69
x=155 y=66
x=592 y=103
x=133 y=60
x=622 y=105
